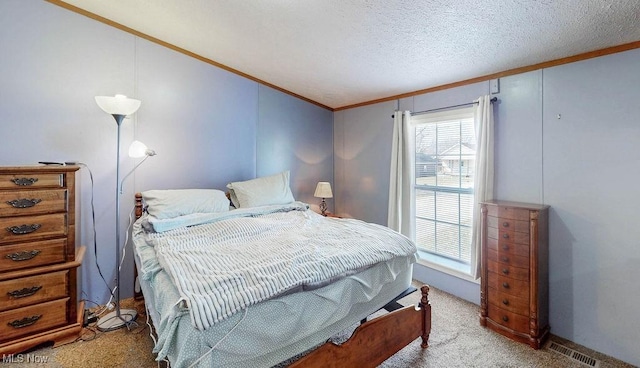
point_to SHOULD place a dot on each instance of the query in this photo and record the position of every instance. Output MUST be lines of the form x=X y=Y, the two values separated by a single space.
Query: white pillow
x=164 y=204
x=264 y=191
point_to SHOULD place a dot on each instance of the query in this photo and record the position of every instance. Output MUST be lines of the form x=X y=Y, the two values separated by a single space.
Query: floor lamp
x=119 y=107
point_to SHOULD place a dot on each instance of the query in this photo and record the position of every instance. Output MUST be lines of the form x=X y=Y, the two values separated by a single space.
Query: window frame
x=457 y=267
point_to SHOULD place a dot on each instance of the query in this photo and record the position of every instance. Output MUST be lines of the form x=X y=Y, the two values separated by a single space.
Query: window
x=445 y=160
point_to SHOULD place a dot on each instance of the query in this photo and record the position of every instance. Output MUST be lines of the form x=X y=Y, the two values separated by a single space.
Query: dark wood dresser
x=514 y=293
x=39 y=259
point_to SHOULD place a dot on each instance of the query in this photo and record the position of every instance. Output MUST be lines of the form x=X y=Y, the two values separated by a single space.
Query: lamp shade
x=118 y=104
x=138 y=149
x=323 y=190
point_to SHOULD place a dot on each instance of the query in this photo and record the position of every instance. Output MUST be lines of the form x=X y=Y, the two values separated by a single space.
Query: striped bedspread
x=230 y=263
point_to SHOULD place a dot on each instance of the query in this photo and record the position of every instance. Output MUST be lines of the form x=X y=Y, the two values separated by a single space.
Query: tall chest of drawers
x=514 y=293
x=39 y=260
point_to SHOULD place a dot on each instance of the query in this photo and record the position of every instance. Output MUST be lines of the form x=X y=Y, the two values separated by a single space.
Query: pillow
x=164 y=204
x=264 y=191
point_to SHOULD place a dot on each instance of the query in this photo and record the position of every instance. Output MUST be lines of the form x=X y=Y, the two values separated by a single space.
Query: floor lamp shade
x=118 y=104
x=138 y=149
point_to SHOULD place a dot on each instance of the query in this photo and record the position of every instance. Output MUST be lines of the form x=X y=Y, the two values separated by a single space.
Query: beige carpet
x=457 y=340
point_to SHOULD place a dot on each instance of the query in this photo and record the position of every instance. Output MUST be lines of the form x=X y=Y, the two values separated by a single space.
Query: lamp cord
x=95 y=237
x=95 y=242
x=126 y=239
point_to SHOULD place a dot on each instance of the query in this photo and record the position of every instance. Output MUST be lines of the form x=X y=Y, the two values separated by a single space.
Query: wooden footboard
x=375 y=341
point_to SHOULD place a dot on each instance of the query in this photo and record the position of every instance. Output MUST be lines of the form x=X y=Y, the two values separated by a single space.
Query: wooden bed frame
x=372 y=342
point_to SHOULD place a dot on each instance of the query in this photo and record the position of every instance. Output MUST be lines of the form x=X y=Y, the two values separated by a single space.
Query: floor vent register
x=573 y=355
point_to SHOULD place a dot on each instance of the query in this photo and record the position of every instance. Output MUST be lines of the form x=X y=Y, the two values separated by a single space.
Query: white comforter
x=237 y=259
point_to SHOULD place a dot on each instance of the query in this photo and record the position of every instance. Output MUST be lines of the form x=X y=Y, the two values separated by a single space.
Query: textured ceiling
x=344 y=52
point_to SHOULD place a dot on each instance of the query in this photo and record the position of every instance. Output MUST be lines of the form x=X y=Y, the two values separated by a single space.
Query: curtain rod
x=492 y=100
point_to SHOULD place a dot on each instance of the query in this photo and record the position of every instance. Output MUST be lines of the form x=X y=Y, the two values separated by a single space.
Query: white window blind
x=445 y=160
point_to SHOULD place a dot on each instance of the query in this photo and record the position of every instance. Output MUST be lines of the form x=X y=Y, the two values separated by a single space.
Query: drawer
x=508 y=224
x=27 y=181
x=32 y=254
x=507 y=259
x=517 y=288
x=508 y=271
x=508 y=319
x=514 y=237
x=24 y=228
x=32 y=202
x=35 y=318
x=507 y=235
x=509 y=302
x=508 y=248
x=508 y=213
x=33 y=289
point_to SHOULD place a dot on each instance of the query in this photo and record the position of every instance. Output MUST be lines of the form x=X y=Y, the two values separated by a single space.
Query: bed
x=273 y=285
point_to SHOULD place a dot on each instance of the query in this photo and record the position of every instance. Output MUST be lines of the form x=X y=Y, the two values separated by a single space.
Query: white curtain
x=401 y=208
x=483 y=181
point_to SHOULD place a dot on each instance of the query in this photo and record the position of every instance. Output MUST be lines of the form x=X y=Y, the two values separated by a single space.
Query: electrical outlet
x=89 y=318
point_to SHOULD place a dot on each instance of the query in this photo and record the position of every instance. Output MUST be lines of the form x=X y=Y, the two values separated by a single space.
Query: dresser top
x=37 y=169
x=528 y=206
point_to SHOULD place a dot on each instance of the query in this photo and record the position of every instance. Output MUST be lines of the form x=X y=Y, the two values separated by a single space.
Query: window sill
x=446 y=265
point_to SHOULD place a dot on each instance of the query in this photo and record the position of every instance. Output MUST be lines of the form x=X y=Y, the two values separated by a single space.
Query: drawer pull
x=505 y=259
x=24 y=202
x=505 y=224
x=23 y=229
x=505 y=318
x=505 y=302
x=506 y=236
x=26 y=321
x=505 y=285
x=505 y=271
x=505 y=247
x=24 y=292
x=23 y=256
x=24 y=182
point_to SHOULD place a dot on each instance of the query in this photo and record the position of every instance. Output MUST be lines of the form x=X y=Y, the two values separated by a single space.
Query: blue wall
x=208 y=126
x=567 y=137
x=295 y=135
x=362 y=139
x=591 y=166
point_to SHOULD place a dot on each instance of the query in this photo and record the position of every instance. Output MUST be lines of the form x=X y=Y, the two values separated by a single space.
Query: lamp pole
x=119 y=107
x=119 y=119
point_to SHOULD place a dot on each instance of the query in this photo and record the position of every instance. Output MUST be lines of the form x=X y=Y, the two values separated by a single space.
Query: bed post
x=138 y=205
x=425 y=306
x=137 y=294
